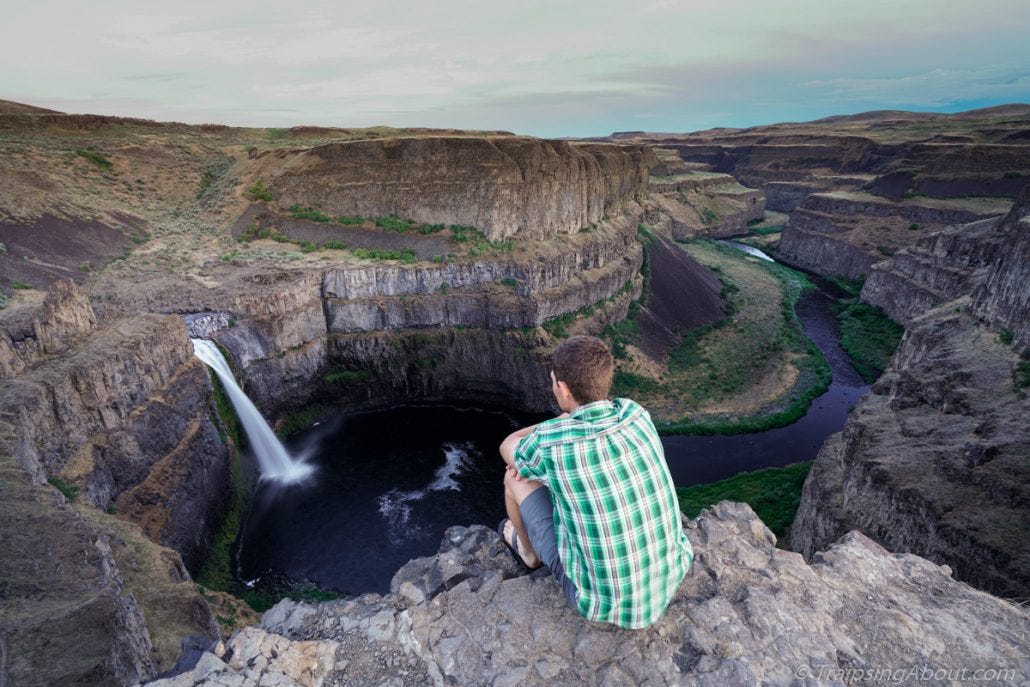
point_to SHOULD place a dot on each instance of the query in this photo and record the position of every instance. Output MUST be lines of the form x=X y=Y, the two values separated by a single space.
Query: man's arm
x=511 y=442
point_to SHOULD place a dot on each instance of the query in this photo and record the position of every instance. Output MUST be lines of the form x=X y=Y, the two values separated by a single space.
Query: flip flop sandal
x=515 y=548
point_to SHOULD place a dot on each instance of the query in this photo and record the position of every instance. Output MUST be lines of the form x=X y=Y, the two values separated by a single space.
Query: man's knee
x=518 y=488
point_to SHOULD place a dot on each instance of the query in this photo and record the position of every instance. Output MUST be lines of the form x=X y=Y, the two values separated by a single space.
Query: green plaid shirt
x=616 y=515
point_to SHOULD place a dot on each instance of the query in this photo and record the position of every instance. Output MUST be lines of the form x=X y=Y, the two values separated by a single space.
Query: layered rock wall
x=933 y=460
x=506 y=186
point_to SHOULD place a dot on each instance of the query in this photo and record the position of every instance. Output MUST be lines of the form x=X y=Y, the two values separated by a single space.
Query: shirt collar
x=590 y=412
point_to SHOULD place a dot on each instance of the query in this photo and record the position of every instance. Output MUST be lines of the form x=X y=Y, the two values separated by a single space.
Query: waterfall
x=273 y=460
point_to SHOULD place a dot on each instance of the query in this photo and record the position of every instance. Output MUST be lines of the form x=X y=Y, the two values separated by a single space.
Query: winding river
x=390 y=482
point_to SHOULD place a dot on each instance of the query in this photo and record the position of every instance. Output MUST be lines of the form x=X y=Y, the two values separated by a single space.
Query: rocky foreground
x=747 y=613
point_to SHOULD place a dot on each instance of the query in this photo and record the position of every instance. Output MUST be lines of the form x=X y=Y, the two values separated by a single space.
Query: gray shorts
x=538 y=519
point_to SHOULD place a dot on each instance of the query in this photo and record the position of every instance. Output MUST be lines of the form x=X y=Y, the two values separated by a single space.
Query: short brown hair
x=585 y=364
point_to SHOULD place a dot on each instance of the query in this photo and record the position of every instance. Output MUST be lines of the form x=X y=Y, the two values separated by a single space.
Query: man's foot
x=511 y=539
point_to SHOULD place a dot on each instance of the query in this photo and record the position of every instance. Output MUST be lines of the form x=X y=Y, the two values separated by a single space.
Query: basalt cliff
x=361 y=267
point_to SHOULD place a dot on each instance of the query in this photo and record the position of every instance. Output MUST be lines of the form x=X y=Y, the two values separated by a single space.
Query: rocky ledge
x=747 y=613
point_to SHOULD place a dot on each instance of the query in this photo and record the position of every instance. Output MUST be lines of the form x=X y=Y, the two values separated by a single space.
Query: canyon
x=117 y=458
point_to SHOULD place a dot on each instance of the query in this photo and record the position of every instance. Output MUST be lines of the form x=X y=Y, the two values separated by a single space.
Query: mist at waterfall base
x=389 y=483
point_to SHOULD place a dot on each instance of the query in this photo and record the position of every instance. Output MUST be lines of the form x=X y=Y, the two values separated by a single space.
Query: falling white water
x=273 y=460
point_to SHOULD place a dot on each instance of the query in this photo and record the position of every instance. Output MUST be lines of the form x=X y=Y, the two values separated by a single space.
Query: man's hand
x=515 y=474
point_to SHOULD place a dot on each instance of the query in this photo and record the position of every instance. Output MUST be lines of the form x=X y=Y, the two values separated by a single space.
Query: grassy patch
x=631 y=384
x=95 y=157
x=405 y=255
x=70 y=491
x=299 y=419
x=773 y=493
x=16 y=284
x=334 y=245
x=476 y=243
x=766 y=231
x=345 y=376
x=308 y=213
x=759 y=347
x=852 y=287
x=395 y=223
x=1021 y=374
x=868 y=336
x=1005 y=336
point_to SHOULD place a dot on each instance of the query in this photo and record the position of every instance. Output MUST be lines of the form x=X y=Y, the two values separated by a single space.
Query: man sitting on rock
x=589 y=494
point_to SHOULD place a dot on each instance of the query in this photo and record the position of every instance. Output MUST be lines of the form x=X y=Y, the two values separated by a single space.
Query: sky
x=575 y=68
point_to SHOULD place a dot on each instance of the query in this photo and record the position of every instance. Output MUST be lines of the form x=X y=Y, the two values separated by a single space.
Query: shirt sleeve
x=529 y=459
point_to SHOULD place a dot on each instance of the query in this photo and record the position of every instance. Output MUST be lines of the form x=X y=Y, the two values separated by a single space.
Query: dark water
x=387 y=485
x=696 y=460
x=390 y=482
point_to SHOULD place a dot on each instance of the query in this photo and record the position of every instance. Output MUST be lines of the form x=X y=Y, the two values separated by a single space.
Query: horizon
x=567 y=71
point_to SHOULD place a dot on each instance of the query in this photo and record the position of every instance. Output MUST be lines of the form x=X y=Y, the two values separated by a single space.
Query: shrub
x=16 y=284
x=431 y=228
x=350 y=376
x=1022 y=374
x=1005 y=335
x=406 y=255
x=885 y=251
x=395 y=223
x=259 y=192
x=334 y=245
x=509 y=281
x=350 y=219
x=70 y=491
x=631 y=384
x=299 y=212
x=95 y=157
x=913 y=227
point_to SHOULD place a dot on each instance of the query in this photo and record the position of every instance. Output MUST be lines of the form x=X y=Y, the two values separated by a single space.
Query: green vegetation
x=217 y=572
x=345 y=376
x=766 y=231
x=299 y=212
x=1022 y=374
x=852 y=287
x=510 y=281
x=773 y=493
x=259 y=192
x=405 y=255
x=708 y=216
x=631 y=384
x=1005 y=336
x=395 y=223
x=350 y=219
x=334 y=245
x=16 y=284
x=868 y=336
x=477 y=242
x=70 y=491
x=3 y=301
x=913 y=227
x=622 y=333
x=276 y=135
x=431 y=228
x=885 y=250
x=95 y=157
x=299 y=419
x=266 y=595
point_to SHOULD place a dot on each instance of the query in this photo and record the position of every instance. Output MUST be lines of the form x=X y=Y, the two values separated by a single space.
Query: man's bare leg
x=516 y=489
